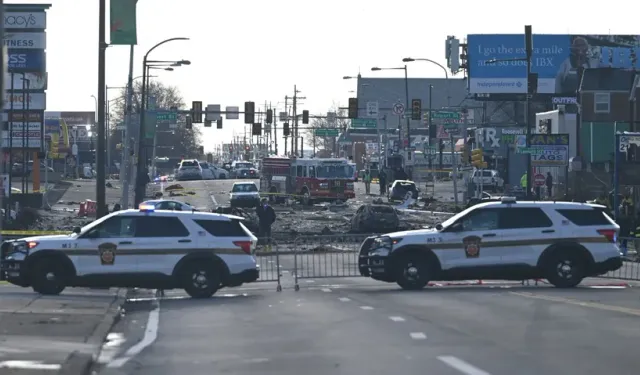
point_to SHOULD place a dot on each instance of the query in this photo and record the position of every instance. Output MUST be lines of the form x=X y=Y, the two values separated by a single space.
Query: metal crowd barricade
x=326 y=256
x=631 y=268
x=268 y=258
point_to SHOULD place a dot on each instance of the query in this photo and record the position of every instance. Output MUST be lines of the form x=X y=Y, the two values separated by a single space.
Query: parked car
x=244 y=194
x=189 y=170
x=400 y=188
x=207 y=173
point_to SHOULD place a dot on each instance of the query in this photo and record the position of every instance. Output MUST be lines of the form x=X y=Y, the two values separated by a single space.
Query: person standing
x=549 y=183
x=266 y=218
x=382 y=179
x=367 y=181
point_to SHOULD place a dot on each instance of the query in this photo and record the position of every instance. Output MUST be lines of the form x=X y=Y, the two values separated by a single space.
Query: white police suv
x=562 y=242
x=200 y=252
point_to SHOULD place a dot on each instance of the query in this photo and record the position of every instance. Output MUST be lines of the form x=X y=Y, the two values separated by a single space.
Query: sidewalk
x=40 y=333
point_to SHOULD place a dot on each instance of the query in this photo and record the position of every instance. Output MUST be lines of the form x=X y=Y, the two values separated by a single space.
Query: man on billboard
x=582 y=55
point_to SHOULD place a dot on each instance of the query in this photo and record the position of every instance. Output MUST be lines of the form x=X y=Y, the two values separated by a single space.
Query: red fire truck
x=310 y=180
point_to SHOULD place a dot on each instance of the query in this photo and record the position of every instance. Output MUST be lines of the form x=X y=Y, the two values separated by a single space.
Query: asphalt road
x=358 y=326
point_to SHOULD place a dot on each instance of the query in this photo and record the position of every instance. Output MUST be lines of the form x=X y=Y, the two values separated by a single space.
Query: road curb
x=81 y=363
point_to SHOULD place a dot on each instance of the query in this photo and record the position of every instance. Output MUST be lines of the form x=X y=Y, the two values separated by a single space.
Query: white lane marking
x=418 y=336
x=366 y=307
x=397 y=318
x=30 y=365
x=344 y=299
x=462 y=366
x=326 y=290
x=214 y=201
x=150 y=335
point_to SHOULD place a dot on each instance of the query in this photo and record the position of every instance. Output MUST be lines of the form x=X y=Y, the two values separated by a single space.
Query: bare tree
x=180 y=141
x=326 y=143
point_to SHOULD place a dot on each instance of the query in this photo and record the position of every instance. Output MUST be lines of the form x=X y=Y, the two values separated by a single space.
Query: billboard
x=556 y=59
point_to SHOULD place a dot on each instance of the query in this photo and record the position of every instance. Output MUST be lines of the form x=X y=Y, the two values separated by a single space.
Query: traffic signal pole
x=529 y=51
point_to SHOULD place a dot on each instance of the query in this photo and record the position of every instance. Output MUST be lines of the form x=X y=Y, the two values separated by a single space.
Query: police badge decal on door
x=472 y=246
x=107 y=252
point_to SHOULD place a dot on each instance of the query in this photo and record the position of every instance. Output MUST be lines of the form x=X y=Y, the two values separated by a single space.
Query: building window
x=602 y=102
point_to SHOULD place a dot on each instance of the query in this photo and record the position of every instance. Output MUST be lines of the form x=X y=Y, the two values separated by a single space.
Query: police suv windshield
x=335 y=171
x=244 y=188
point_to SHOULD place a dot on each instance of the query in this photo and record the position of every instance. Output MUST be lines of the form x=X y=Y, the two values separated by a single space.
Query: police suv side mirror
x=76 y=230
x=439 y=227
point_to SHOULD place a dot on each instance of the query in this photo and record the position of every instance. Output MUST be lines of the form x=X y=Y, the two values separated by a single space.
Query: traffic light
x=249 y=112
x=219 y=123
x=305 y=117
x=285 y=129
x=416 y=109
x=207 y=123
x=269 y=116
x=353 y=107
x=189 y=123
x=477 y=158
x=196 y=112
x=247 y=148
x=256 y=129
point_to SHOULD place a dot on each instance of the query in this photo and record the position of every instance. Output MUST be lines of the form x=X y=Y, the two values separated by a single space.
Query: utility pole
x=275 y=131
x=528 y=36
x=101 y=203
x=294 y=141
x=286 y=111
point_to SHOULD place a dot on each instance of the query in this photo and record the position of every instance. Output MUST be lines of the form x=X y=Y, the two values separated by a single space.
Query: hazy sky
x=257 y=50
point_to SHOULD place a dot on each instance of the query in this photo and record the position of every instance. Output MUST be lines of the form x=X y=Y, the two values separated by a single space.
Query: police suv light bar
x=147 y=208
x=508 y=199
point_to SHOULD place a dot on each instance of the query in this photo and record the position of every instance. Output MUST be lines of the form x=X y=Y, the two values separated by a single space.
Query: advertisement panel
x=556 y=59
x=37 y=81
x=551 y=150
x=31 y=116
x=28 y=126
x=25 y=40
x=19 y=142
x=72 y=118
x=34 y=100
x=33 y=60
x=25 y=20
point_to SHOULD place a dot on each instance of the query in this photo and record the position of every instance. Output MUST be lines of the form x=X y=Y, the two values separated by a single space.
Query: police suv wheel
x=565 y=269
x=47 y=277
x=412 y=273
x=201 y=279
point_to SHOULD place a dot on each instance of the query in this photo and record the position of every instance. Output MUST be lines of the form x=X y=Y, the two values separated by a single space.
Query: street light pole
x=406 y=90
x=101 y=202
x=142 y=159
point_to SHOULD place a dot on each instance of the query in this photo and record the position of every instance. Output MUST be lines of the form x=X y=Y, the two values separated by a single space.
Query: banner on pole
x=123 y=22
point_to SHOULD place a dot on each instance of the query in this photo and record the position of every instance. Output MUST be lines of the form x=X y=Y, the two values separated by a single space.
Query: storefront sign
x=37 y=81
x=25 y=20
x=31 y=60
x=25 y=40
x=26 y=101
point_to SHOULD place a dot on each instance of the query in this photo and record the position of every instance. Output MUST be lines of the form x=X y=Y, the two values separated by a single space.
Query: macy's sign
x=25 y=20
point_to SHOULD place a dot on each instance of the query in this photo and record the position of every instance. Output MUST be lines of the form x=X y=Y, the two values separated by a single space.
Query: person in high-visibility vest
x=367 y=181
x=523 y=181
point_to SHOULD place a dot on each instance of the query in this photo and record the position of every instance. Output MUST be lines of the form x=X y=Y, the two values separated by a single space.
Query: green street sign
x=532 y=151
x=326 y=132
x=150 y=123
x=166 y=117
x=450 y=126
x=368 y=123
x=445 y=115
